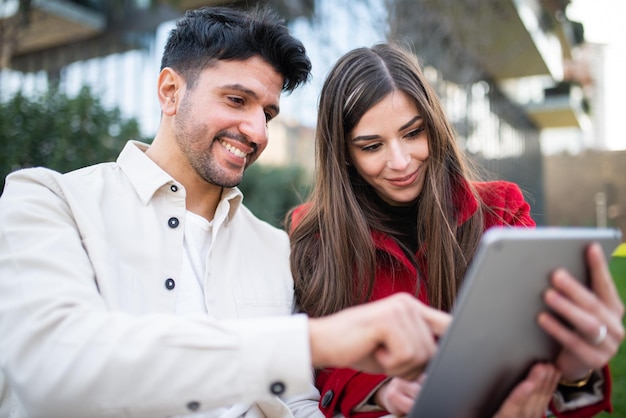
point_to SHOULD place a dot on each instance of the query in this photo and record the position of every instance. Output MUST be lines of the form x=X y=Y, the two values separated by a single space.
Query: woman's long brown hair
x=333 y=257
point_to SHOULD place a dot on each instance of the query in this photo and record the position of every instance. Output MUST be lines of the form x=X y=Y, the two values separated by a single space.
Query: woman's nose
x=398 y=157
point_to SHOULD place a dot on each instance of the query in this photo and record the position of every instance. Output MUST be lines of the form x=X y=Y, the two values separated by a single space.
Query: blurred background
x=534 y=88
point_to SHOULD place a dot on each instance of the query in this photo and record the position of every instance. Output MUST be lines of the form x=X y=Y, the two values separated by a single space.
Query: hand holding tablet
x=495 y=338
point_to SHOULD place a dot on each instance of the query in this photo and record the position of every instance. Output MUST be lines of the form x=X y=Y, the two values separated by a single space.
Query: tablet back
x=494 y=338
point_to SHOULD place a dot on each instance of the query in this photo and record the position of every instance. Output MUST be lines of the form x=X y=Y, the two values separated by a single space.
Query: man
x=145 y=288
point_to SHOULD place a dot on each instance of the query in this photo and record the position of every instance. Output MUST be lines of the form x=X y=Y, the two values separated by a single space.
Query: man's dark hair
x=206 y=35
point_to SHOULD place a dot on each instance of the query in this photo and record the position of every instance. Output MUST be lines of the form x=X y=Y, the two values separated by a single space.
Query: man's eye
x=268 y=117
x=236 y=100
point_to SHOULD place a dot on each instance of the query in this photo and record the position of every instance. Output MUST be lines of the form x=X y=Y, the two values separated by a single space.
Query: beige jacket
x=86 y=323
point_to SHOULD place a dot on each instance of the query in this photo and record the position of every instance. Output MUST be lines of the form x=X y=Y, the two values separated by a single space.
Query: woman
x=395 y=208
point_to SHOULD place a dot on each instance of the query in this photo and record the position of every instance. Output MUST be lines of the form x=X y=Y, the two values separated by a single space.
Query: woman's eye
x=370 y=148
x=415 y=132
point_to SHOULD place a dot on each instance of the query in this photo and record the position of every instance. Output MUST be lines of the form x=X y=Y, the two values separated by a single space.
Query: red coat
x=344 y=389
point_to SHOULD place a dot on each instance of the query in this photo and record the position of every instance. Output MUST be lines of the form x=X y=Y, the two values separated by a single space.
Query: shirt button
x=173 y=222
x=193 y=405
x=327 y=399
x=170 y=284
x=277 y=388
x=174 y=188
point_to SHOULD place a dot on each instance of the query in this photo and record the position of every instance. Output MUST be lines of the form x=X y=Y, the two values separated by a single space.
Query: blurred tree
x=270 y=192
x=60 y=132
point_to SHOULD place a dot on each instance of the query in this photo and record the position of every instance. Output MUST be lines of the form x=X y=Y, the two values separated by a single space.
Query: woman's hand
x=531 y=397
x=398 y=395
x=595 y=317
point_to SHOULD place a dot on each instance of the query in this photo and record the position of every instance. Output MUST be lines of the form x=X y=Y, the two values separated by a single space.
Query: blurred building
x=586 y=189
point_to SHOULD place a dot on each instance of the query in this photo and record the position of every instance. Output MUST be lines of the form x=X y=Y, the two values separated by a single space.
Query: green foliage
x=617 y=266
x=60 y=132
x=270 y=192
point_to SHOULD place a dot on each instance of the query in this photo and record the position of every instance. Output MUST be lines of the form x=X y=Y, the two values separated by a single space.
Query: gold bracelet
x=577 y=383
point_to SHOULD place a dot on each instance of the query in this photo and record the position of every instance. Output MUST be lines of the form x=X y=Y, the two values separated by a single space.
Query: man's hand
x=394 y=336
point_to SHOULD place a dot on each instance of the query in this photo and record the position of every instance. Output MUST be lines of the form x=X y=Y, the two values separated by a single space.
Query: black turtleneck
x=402 y=219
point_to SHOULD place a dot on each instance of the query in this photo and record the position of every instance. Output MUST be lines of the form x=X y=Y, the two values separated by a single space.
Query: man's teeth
x=233 y=150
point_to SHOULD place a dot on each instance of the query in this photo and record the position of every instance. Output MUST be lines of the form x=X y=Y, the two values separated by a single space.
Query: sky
x=603 y=21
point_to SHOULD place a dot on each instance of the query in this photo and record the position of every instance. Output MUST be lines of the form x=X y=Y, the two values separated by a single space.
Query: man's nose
x=254 y=127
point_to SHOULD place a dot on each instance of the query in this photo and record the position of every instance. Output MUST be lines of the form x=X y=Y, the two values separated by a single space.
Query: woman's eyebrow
x=371 y=137
x=409 y=123
x=365 y=138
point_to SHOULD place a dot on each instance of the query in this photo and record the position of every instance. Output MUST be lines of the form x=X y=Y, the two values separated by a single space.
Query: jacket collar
x=465 y=202
x=147 y=177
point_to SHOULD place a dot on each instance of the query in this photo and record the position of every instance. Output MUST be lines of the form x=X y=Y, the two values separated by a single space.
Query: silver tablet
x=494 y=338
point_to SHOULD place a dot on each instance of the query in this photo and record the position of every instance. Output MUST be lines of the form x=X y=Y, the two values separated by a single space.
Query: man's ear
x=169 y=85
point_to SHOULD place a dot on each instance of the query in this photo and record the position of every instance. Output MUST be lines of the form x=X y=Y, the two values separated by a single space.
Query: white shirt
x=196 y=245
x=89 y=266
